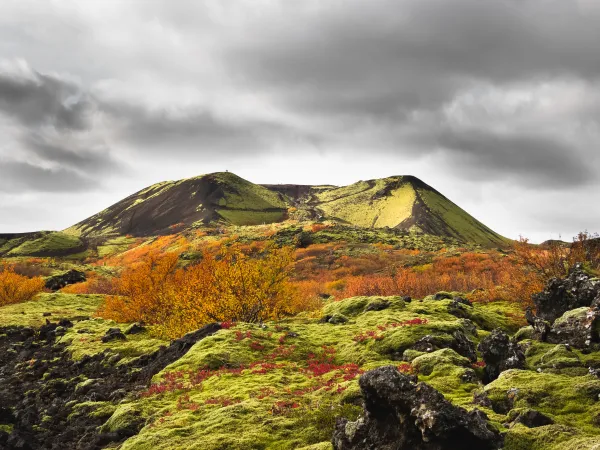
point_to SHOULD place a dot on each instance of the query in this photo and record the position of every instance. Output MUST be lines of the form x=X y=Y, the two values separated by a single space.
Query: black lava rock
x=500 y=353
x=402 y=414
x=56 y=282
x=561 y=295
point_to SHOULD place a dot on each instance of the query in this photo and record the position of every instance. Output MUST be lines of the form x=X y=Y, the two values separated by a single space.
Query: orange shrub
x=491 y=277
x=15 y=288
x=171 y=243
x=228 y=286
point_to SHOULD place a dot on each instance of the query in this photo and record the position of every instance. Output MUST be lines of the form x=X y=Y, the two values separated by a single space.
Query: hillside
x=172 y=206
x=399 y=202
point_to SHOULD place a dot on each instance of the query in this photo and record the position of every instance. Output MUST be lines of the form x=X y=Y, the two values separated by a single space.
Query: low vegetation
x=302 y=310
x=15 y=288
x=227 y=286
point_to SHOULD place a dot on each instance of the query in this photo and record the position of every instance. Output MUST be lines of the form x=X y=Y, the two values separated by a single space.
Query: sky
x=495 y=104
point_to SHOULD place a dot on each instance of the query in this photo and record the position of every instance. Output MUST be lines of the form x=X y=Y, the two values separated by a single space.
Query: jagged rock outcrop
x=579 y=328
x=403 y=414
x=56 y=282
x=561 y=295
x=500 y=353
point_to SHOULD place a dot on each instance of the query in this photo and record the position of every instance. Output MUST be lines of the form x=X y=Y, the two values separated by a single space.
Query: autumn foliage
x=229 y=285
x=16 y=288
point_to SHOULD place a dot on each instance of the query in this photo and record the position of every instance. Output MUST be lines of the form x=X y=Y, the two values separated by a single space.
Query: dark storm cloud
x=532 y=160
x=36 y=99
x=194 y=132
x=88 y=160
x=181 y=130
x=18 y=177
x=417 y=52
x=376 y=65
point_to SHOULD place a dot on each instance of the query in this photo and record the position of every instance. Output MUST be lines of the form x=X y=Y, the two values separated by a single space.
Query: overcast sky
x=495 y=104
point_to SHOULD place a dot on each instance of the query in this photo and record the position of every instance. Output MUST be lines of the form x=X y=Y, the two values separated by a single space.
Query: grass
x=51 y=244
x=114 y=246
x=85 y=338
x=461 y=224
x=358 y=203
x=248 y=217
x=60 y=306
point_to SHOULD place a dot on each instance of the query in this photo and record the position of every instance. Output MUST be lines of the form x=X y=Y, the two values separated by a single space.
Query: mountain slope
x=401 y=202
x=174 y=205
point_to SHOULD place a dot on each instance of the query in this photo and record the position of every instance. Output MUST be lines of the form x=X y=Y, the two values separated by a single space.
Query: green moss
x=246 y=217
x=572 y=402
x=67 y=306
x=258 y=417
x=114 y=246
x=579 y=313
x=85 y=338
x=49 y=245
x=125 y=416
x=524 y=333
x=425 y=364
x=353 y=306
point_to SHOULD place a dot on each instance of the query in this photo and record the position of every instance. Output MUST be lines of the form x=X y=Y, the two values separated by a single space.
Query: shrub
x=15 y=288
x=230 y=286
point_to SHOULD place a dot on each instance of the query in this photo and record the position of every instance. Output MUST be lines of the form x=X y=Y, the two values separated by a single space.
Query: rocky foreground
x=370 y=373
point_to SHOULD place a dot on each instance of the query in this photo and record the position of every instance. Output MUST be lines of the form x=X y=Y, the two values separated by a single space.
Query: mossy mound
x=50 y=307
x=44 y=244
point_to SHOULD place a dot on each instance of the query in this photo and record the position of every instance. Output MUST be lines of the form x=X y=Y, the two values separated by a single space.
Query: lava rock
x=442 y=296
x=400 y=414
x=500 y=353
x=561 y=295
x=56 y=282
x=577 y=328
x=378 y=305
x=42 y=383
x=407 y=299
x=458 y=309
x=532 y=419
x=462 y=300
x=135 y=328
x=114 y=334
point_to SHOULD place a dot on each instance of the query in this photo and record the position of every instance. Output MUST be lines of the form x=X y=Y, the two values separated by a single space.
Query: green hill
x=175 y=205
x=401 y=202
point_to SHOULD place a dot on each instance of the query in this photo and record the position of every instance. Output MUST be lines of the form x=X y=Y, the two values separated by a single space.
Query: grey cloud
x=531 y=160
x=98 y=160
x=373 y=67
x=20 y=177
x=193 y=132
x=44 y=100
x=426 y=48
x=52 y=116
